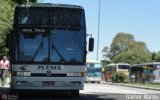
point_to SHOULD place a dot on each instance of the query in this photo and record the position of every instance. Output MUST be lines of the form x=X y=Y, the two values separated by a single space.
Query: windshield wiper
x=37 y=51
x=60 y=55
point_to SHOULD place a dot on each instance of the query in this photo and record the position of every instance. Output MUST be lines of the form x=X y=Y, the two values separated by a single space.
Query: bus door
x=108 y=73
x=147 y=73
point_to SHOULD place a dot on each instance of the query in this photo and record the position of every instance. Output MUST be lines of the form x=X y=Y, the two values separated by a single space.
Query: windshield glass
x=92 y=71
x=33 y=16
x=61 y=40
x=40 y=47
x=59 y=17
x=94 y=67
x=32 y=47
x=69 y=44
x=65 y=17
x=123 y=66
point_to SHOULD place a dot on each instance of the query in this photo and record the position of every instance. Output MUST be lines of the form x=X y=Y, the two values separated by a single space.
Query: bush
x=119 y=77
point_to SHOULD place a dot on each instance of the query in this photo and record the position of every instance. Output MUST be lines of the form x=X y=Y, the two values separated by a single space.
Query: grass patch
x=148 y=85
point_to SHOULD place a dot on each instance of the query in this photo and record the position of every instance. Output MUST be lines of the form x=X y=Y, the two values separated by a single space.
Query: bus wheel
x=98 y=82
x=75 y=93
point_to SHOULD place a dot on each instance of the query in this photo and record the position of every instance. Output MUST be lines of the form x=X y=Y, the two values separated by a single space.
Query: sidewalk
x=131 y=85
x=6 y=86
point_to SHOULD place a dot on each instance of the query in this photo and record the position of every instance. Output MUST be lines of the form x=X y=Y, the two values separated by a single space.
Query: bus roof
x=152 y=63
x=93 y=61
x=118 y=64
x=51 y=5
x=140 y=65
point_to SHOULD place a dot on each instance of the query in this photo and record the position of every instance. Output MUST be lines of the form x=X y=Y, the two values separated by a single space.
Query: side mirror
x=91 y=44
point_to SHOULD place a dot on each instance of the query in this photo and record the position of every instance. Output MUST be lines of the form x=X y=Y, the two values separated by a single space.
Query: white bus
x=48 y=48
x=93 y=71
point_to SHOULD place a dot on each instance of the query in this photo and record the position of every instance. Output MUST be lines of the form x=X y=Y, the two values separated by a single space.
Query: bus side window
x=145 y=70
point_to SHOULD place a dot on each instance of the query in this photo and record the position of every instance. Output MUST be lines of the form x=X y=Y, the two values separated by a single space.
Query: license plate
x=48 y=83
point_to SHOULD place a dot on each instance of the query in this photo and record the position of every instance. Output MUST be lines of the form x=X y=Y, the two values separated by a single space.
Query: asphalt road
x=94 y=91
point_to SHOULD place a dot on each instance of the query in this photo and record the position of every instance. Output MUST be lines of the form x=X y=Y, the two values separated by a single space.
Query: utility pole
x=99 y=13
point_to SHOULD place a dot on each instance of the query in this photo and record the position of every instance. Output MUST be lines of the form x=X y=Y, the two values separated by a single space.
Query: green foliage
x=119 y=77
x=120 y=43
x=153 y=56
x=106 y=53
x=134 y=55
x=24 y=1
x=124 y=49
x=157 y=57
x=6 y=19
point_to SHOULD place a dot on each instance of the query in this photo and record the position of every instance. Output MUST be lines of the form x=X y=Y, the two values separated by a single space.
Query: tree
x=157 y=57
x=124 y=49
x=132 y=56
x=106 y=53
x=24 y=1
x=6 y=20
x=120 y=43
x=6 y=17
x=153 y=56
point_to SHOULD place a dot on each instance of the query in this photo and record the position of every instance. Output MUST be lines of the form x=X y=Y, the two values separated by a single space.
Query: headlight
x=75 y=74
x=23 y=74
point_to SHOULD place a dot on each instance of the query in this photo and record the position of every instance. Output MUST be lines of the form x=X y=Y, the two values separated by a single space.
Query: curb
x=140 y=87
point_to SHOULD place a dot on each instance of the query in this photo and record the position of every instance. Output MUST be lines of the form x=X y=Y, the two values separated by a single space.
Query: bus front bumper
x=48 y=83
x=93 y=79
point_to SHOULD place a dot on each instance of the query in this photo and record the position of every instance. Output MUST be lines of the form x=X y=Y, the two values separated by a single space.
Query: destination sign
x=33 y=30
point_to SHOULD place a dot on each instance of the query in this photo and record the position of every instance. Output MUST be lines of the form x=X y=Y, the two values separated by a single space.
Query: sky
x=141 y=18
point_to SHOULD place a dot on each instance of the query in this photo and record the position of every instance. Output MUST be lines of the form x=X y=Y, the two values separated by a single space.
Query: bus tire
x=75 y=93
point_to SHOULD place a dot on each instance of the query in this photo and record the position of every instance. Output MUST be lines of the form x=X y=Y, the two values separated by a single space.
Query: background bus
x=116 y=67
x=93 y=71
x=149 y=72
x=48 y=48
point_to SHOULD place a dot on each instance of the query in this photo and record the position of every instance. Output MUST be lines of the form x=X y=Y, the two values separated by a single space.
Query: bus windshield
x=94 y=69
x=91 y=71
x=123 y=66
x=57 y=35
x=37 y=47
